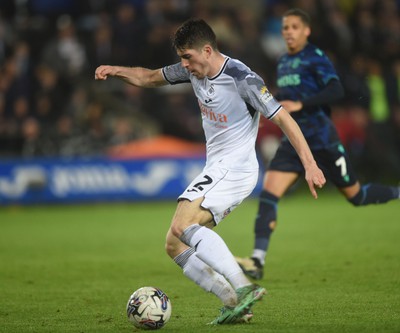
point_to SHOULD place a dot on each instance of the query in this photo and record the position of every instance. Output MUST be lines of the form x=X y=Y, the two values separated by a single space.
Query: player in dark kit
x=307 y=83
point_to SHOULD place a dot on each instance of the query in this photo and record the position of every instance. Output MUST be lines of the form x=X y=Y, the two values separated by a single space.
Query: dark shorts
x=334 y=163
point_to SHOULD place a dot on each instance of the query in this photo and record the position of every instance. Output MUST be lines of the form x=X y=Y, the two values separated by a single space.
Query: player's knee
x=176 y=229
x=357 y=200
x=172 y=245
x=172 y=249
x=168 y=243
x=169 y=249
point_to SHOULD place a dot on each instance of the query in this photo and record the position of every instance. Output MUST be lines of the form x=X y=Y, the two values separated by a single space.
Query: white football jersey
x=230 y=104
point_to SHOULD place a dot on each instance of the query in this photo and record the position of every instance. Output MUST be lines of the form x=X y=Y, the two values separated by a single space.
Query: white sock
x=208 y=279
x=260 y=255
x=211 y=249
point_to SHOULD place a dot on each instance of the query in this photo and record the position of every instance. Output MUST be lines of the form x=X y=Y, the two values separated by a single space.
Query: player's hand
x=315 y=178
x=291 y=106
x=103 y=71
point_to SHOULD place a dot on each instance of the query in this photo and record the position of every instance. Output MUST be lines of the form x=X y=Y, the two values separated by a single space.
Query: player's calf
x=375 y=194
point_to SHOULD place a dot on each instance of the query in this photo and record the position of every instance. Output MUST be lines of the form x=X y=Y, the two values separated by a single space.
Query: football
x=149 y=308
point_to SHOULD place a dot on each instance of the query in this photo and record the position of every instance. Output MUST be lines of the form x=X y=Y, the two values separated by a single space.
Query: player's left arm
x=314 y=176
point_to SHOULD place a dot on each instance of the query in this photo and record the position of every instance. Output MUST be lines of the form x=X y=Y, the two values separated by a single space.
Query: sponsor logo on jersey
x=289 y=80
x=265 y=95
x=211 y=115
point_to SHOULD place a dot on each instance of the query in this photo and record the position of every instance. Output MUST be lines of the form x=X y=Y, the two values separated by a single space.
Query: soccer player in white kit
x=231 y=98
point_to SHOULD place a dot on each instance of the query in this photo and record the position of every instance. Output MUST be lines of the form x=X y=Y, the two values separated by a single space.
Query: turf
x=331 y=267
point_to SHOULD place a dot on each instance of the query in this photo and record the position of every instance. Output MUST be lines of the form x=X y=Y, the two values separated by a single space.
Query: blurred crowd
x=50 y=104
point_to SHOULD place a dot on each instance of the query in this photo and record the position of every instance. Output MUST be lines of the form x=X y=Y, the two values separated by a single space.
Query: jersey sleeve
x=175 y=74
x=322 y=67
x=256 y=94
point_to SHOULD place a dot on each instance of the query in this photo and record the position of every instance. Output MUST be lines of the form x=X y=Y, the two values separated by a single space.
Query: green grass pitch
x=331 y=267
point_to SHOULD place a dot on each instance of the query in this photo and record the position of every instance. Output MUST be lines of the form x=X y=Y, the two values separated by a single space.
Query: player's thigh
x=278 y=182
x=190 y=212
x=336 y=166
x=229 y=192
x=284 y=169
x=222 y=191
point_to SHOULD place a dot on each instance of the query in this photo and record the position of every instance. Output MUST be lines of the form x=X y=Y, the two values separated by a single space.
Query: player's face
x=195 y=61
x=295 y=33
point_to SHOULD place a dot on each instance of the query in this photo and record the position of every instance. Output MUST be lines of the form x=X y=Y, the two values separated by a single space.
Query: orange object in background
x=161 y=146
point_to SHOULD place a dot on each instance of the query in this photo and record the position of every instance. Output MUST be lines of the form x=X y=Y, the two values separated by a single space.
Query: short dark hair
x=304 y=17
x=194 y=33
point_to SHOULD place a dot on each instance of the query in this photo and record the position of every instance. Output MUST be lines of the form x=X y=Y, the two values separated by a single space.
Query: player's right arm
x=137 y=76
x=330 y=93
x=314 y=176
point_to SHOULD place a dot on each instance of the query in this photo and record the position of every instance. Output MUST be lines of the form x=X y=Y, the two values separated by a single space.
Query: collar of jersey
x=221 y=70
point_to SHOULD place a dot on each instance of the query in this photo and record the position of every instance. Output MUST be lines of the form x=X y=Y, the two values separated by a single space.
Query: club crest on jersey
x=296 y=63
x=211 y=90
x=265 y=95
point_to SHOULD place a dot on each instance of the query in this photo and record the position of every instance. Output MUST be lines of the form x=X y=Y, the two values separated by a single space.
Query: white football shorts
x=223 y=190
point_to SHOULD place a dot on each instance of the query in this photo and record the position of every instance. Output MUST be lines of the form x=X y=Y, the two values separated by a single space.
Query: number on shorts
x=198 y=186
x=341 y=162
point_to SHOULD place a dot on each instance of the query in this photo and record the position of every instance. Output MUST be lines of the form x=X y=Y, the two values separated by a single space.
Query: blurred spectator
x=77 y=103
x=388 y=27
x=364 y=31
x=128 y=35
x=122 y=131
x=34 y=143
x=50 y=96
x=68 y=139
x=96 y=132
x=379 y=103
x=100 y=49
x=158 y=42
x=380 y=134
x=339 y=30
x=225 y=27
x=65 y=53
x=14 y=79
x=250 y=49
x=352 y=122
x=353 y=77
x=2 y=115
x=14 y=123
x=6 y=39
x=181 y=117
x=272 y=42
